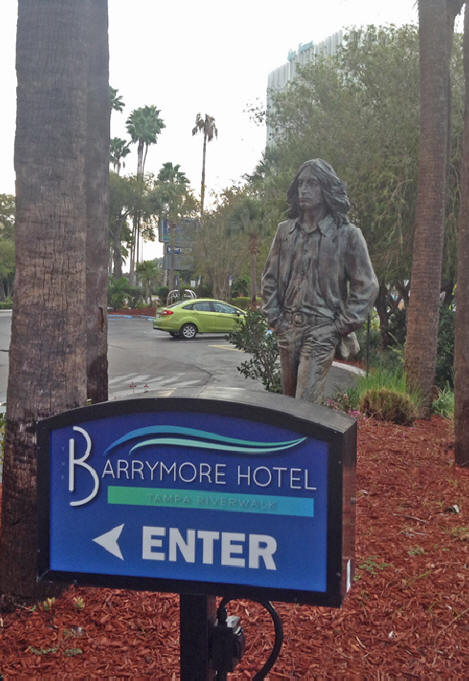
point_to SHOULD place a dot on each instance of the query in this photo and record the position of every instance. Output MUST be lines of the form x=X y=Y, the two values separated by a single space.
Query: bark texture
x=48 y=352
x=436 y=24
x=97 y=195
x=461 y=345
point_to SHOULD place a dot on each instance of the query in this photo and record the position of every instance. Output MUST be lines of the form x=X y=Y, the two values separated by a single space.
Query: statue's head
x=333 y=191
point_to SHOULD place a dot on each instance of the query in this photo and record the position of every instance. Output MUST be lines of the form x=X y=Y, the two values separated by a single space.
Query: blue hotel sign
x=251 y=498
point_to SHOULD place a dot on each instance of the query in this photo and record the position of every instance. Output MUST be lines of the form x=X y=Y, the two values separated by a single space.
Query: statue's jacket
x=346 y=277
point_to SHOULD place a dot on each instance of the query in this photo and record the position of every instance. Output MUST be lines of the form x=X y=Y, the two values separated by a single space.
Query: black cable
x=221 y=619
x=278 y=629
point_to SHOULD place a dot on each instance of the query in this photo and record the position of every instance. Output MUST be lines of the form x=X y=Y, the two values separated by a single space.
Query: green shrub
x=385 y=381
x=204 y=291
x=162 y=294
x=241 y=286
x=388 y=405
x=444 y=373
x=6 y=304
x=122 y=294
x=244 y=302
x=255 y=337
x=444 y=403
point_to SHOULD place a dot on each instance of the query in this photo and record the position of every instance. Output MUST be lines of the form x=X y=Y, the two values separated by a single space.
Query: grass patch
x=444 y=403
x=382 y=394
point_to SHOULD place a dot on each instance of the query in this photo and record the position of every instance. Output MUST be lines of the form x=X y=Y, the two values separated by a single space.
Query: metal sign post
x=197 y=615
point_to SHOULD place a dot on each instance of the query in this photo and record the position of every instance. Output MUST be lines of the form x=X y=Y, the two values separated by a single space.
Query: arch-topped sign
x=245 y=498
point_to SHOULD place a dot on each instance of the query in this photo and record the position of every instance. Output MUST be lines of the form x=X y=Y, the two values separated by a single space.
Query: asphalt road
x=143 y=360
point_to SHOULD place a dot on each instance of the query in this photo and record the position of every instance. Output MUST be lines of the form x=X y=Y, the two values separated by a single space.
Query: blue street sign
x=171 y=492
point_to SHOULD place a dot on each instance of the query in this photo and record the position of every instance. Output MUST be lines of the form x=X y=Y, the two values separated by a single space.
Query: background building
x=280 y=77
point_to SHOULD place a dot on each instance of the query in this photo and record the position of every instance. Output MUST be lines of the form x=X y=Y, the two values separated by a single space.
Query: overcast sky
x=210 y=57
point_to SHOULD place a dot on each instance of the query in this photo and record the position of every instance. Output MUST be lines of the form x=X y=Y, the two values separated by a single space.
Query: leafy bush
x=162 y=293
x=384 y=386
x=255 y=337
x=122 y=294
x=444 y=373
x=244 y=302
x=205 y=291
x=241 y=286
x=444 y=403
x=6 y=304
x=388 y=405
x=388 y=359
x=374 y=340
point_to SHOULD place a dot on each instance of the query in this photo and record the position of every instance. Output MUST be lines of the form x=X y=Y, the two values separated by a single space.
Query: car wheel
x=188 y=331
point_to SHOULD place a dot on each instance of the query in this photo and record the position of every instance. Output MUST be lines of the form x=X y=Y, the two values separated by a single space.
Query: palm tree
x=144 y=125
x=118 y=150
x=97 y=200
x=149 y=273
x=248 y=218
x=209 y=129
x=172 y=174
x=117 y=103
x=461 y=344
x=176 y=201
x=436 y=25
x=48 y=353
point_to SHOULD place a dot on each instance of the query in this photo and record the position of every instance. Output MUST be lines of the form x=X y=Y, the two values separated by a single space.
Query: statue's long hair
x=333 y=190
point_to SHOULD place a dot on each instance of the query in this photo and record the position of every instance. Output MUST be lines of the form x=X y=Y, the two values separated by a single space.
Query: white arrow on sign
x=108 y=541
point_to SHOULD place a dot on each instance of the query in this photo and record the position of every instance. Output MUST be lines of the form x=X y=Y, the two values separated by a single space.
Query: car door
x=203 y=316
x=226 y=316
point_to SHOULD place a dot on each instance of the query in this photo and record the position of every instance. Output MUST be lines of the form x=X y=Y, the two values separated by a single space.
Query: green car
x=189 y=317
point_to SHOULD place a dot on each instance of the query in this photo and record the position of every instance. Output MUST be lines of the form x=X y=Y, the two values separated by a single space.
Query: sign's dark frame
x=323 y=424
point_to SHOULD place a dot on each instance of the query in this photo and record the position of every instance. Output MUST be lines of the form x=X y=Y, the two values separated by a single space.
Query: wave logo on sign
x=176 y=436
x=179 y=436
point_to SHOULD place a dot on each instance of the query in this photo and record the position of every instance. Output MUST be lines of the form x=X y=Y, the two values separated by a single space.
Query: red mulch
x=406 y=617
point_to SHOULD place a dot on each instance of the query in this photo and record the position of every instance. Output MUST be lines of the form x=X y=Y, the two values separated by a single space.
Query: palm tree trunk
x=97 y=191
x=253 y=250
x=116 y=252
x=461 y=345
x=436 y=22
x=47 y=354
x=140 y=159
x=202 y=186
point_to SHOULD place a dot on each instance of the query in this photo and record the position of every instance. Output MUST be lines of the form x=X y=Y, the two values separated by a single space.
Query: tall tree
x=217 y=251
x=118 y=150
x=97 y=200
x=174 y=199
x=117 y=103
x=248 y=218
x=122 y=191
x=7 y=245
x=149 y=274
x=208 y=128
x=144 y=125
x=461 y=346
x=358 y=110
x=436 y=26
x=47 y=353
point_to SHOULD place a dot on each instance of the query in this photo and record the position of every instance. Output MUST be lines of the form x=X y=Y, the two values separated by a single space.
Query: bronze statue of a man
x=318 y=284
